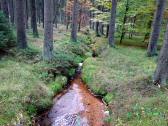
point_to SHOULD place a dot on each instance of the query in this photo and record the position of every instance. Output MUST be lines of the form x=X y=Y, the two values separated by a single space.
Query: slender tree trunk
x=102 y=28
x=97 y=29
x=4 y=4
x=48 y=30
x=124 y=21
x=27 y=14
x=93 y=25
x=33 y=17
x=0 y=5
x=42 y=11
x=74 y=21
x=20 y=24
x=80 y=20
x=107 y=31
x=11 y=11
x=38 y=12
x=152 y=47
x=56 y=12
x=68 y=18
x=161 y=73
x=112 y=24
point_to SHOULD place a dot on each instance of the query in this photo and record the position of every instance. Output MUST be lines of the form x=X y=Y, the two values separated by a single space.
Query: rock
x=106 y=113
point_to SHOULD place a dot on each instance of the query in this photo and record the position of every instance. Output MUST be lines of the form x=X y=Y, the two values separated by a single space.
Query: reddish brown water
x=76 y=107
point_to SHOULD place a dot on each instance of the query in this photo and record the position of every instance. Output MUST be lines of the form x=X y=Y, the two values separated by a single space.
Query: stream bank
x=75 y=107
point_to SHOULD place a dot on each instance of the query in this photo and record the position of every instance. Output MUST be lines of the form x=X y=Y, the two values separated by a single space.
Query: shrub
x=58 y=84
x=7 y=38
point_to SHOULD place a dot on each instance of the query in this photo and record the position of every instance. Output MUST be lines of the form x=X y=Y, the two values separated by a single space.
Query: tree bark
x=152 y=47
x=97 y=29
x=48 y=30
x=27 y=14
x=20 y=24
x=161 y=73
x=111 y=34
x=56 y=12
x=107 y=30
x=11 y=11
x=38 y=11
x=33 y=17
x=42 y=11
x=74 y=21
x=4 y=5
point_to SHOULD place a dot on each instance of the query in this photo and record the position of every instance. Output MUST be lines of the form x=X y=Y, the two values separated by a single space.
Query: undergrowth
x=123 y=76
x=28 y=84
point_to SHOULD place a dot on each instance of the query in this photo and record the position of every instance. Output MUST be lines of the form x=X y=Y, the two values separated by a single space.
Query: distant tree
x=112 y=23
x=4 y=6
x=56 y=12
x=74 y=21
x=42 y=11
x=124 y=21
x=161 y=73
x=11 y=11
x=27 y=10
x=48 y=30
x=33 y=17
x=152 y=47
x=20 y=24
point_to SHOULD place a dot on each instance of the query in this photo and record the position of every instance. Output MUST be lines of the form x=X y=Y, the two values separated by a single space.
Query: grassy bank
x=28 y=84
x=123 y=76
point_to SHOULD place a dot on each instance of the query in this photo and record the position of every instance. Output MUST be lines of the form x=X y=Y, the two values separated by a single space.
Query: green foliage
x=108 y=98
x=7 y=38
x=58 y=85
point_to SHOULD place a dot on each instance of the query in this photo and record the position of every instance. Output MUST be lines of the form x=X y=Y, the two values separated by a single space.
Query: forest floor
x=123 y=76
x=28 y=84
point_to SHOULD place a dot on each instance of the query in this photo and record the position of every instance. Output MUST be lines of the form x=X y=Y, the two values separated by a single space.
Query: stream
x=75 y=107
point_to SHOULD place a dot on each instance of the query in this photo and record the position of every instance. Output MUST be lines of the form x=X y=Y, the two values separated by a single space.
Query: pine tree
x=20 y=24
x=74 y=21
x=112 y=23
x=48 y=30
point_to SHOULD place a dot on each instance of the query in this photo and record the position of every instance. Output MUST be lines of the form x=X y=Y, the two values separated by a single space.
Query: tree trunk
x=48 y=30
x=4 y=5
x=161 y=73
x=97 y=29
x=74 y=21
x=20 y=24
x=56 y=12
x=11 y=11
x=107 y=30
x=124 y=21
x=152 y=47
x=33 y=17
x=112 y=24
x=27 y=13
x=42 y=11
x=38 y=11
x=80 y=20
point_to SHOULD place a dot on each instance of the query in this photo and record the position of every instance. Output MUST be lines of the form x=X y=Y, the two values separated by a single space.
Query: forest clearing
x=83 y=63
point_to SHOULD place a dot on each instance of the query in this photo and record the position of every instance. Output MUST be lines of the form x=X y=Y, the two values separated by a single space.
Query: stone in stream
x=69 y=120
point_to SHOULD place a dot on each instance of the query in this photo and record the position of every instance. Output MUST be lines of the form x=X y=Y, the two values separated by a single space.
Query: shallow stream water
x=75 y=107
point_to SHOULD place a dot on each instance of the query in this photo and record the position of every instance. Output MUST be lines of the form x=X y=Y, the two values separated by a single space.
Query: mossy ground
x=28 y=84
x=123 y=76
